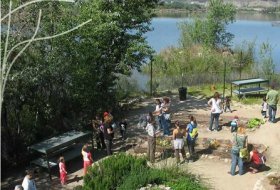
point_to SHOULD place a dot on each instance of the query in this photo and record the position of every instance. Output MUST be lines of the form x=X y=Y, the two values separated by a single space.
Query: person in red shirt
x=256 y=161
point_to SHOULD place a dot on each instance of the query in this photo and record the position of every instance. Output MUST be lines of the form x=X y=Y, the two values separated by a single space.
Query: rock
x=167 y=188
x=226 y=160
x=211 y=157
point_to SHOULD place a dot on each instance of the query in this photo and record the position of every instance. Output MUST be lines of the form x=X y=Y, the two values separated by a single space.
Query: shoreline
x=191 y=12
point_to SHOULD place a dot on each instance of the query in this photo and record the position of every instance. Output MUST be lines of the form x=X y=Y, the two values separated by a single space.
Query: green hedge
x=123 y=172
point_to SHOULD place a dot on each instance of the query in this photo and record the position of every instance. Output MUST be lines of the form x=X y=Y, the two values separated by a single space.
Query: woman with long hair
x=216 y=110
x=178 y=138
x=240 y=141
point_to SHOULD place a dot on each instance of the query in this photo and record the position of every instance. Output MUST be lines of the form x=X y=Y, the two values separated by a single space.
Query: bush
x=122 y=172
x=109 y=173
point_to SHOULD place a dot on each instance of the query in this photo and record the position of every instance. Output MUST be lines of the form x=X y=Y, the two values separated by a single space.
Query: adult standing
x=178 y=138
x=239 y=142
x=165 y=118
x=151 y=139
x=216 y=110
x=272 y=99
x=28 y=181
x=157 y=114
x=108 y=132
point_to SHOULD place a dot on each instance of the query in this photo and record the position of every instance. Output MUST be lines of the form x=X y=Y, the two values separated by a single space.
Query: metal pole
x=151 y=80
x=241 y=60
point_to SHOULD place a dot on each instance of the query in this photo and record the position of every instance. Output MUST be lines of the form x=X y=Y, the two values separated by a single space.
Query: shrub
x=109 y=173
x=123 y=172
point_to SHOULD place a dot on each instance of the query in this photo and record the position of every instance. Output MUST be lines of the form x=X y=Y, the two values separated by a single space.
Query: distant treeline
x=273 y=7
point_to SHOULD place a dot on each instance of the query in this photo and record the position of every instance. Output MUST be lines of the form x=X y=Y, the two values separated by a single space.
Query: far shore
x=257 y=10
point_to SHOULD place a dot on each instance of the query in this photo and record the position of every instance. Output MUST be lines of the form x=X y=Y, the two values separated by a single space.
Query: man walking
x=272 y=98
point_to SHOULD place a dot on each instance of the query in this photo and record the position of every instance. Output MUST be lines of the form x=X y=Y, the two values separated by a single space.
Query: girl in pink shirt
x=62 y=171
x=87 y=158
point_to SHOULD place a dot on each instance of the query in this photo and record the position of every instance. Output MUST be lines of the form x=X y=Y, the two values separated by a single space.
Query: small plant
x=255 y=122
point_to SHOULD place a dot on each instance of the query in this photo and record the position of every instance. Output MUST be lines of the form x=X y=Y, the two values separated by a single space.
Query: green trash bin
x=182 y=93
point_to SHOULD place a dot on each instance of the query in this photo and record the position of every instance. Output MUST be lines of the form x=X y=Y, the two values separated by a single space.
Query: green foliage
x=267 y=66
x=181 y=5
x=110 y=173
x=212 y=30
x=59 y=84
x=255 y=122
x=124 y=172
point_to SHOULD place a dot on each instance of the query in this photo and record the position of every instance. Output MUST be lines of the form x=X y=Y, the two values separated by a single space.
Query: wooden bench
x=243 y=89
x=65 y=145
x=250 y=90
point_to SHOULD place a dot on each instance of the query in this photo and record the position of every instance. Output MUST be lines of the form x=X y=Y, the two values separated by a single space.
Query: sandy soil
x=212 y=172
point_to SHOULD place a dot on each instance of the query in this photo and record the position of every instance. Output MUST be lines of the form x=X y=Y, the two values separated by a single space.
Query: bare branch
x=6 y=43
x=48 y=37
x=32 y=2
x=16 y=57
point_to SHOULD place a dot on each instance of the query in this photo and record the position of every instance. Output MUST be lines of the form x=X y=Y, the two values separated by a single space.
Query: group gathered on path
x=158 y=123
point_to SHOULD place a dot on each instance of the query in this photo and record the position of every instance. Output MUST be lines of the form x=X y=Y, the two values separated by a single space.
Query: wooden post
x=230 y=89
x=49 y=168
x=224 y=81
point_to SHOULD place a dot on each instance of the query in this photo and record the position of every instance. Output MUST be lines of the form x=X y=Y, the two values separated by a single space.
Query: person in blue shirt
x=192 y=133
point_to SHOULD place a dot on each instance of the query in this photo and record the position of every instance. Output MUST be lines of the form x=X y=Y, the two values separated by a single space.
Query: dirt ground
x=210 y=171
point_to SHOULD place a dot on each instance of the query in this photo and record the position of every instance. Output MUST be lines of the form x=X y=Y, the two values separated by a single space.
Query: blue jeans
x=158 y=122
x=236 y=160
x=272 y=112
x=165 y=124
x=214 y=116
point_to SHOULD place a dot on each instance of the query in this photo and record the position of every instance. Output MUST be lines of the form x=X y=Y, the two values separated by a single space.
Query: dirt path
x=211 y=171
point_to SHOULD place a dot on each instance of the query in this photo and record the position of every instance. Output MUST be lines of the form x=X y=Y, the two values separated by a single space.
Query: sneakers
x=209 y=129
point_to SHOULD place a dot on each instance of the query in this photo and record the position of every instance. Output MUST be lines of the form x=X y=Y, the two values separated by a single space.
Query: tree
x=61 y=83
x=211 y=31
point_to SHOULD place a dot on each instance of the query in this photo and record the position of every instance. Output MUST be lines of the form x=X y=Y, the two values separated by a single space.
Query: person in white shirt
x=264 y=107
x=216 y=110
x=28 y=181
x=151 y=138
x=157 y=114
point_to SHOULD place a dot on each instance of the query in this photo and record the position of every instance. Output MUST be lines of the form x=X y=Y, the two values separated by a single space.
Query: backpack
x=193 y=132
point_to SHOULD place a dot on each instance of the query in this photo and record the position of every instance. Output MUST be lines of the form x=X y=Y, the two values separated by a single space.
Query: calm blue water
x=166 y=33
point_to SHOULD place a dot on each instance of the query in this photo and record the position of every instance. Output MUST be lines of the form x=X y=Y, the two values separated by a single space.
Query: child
x=87 y=158
x=264 y=107
x=257 y=160
x=62 y=171
x=192 y=136
x=227 y=104
x=178 y=139
x=123 y=126
x=234 y=124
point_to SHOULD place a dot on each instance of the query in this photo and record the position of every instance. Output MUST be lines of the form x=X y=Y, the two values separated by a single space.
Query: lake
x=248 y=27
x=166 y=33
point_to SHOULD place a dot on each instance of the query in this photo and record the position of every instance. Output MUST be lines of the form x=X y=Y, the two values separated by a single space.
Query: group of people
x=245 y=155
x=160 y=120
x=104 y=130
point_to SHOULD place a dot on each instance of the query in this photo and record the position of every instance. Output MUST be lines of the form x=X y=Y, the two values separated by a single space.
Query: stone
x=226 y=160
x=211 y=157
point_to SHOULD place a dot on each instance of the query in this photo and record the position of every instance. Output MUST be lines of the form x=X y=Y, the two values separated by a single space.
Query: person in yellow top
x=178 y=139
